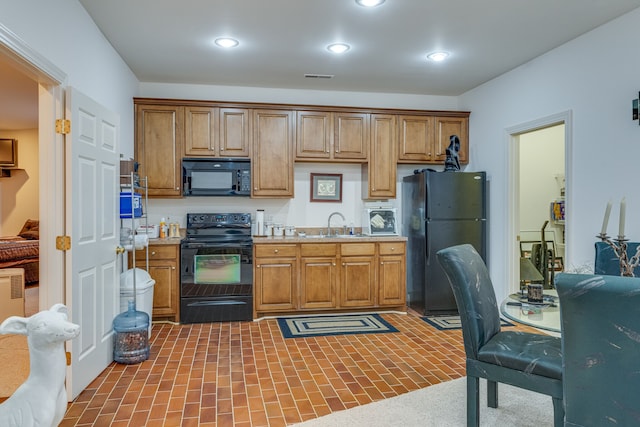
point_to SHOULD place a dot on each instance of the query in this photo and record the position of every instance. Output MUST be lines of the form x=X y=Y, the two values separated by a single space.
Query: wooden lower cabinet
x=357 y=282
x=331 y=277
x=275 y=278
x=163 y=268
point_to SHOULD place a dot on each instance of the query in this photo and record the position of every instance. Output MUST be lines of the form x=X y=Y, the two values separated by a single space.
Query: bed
x=23 y=251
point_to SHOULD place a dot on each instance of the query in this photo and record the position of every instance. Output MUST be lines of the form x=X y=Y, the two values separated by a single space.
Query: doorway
x=539 y=184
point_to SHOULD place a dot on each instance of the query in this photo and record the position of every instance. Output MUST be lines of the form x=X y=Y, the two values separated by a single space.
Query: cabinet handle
x=393 y=249
x=153 y=252
x=275 y=251
x=381 y=263
x=334 y=264
x=344 y=264
x=173 y=268
x=257 y=266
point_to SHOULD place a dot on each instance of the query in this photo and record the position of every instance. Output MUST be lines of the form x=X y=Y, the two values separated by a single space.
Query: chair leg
x=473 y=401
x=558 y=412
x=492 y=394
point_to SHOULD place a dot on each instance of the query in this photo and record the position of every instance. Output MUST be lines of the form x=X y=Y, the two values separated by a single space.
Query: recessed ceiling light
x=338 y=47
x=369 y=3
x=438 y=56
x=227 y=42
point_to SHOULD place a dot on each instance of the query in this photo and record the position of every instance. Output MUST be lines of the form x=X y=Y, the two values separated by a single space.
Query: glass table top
x=545 y=316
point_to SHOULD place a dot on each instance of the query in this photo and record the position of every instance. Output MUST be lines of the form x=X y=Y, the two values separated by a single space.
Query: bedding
x=22 y=251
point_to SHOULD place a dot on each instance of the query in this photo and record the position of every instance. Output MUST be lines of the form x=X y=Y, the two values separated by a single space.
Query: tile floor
x=246 y=374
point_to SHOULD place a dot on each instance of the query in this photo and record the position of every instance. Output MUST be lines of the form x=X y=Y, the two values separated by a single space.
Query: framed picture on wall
x=326 y=187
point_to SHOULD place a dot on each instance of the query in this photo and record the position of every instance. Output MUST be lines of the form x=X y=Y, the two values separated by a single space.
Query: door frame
x=513 y=188
x=51 y=151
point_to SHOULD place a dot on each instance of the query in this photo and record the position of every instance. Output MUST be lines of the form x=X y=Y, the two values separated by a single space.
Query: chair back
x=606 y=261
x=601 y=349
x=474 y=294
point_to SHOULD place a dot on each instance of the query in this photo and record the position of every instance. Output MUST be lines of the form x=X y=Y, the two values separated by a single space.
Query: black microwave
x=216 y=177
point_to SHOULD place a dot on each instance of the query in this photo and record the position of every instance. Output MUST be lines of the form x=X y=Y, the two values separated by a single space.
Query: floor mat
x=452 y=322
x=314 y=326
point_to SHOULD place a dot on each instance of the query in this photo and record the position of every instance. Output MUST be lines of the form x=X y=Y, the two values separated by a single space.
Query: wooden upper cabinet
x=445 y=127
x=200 y=126
x=379 y=182
x=351 y=136
x=424 y=139
x=234 y=132
x=416 y=134
x=272 y=159
x=158 y=147
x=313 y=135
x=216 y=132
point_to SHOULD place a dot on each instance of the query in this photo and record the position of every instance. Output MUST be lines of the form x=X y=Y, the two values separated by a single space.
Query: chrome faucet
x=329 y=221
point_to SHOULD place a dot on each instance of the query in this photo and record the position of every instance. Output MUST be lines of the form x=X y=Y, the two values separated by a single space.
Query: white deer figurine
x=41 y=400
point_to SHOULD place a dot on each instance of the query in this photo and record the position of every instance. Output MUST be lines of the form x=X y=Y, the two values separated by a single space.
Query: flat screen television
x=8 y=153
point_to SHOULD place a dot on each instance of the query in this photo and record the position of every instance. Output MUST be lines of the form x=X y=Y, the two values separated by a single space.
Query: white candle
x=607 y=212
x=623 y=207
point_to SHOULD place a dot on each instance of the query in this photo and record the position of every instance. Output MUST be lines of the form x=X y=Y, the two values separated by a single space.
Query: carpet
x=314 y=326
x=14 y=363
x=452 y=322
x=444 y=405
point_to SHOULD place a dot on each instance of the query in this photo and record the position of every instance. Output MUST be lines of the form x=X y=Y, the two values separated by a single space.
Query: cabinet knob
x=257 y=266
x=153 y=252
x=275 y=251
x=334 y=264
x=381 y=263
x=173 y=268
x=344 y=264
x=393 y=249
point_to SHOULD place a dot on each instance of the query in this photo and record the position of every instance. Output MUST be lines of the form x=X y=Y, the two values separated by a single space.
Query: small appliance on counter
x=380 y=221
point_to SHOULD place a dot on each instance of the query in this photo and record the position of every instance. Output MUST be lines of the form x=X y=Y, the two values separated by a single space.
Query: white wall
x=595 y=77
x=63 y=33
x=19 y=193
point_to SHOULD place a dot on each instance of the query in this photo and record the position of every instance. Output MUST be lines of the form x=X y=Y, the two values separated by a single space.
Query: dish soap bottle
x=163 y=228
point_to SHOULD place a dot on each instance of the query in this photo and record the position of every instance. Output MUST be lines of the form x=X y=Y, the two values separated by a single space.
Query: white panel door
x=91 y=187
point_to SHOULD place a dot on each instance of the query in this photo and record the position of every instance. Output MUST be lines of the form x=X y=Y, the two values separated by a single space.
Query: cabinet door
x=382 y=169
x=416 y=134
x=200 y=125
x=165 y=291
x=234 y=132
x=318 y=282
x=351 y=136
x=275 y=281
x=313 y=135
x=272 y=165
x=159 y=144
x=391 y=280
x=357 y=281
x=445 y=127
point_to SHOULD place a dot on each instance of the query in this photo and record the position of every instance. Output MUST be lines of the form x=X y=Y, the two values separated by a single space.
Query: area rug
x=444 y=405
x=14 y=363
x=447 y=323
x=314 y=326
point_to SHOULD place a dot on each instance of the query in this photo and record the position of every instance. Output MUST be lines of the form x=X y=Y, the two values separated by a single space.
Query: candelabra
x=620 y=249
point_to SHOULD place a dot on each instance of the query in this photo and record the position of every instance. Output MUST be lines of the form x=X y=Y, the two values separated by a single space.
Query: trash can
x=144 y=292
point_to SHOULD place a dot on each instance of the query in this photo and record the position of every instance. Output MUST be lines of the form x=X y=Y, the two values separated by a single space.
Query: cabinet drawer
x=275 y=250
x=307 y=249
x=391 y=248
x=347 y=249
x=159 y=252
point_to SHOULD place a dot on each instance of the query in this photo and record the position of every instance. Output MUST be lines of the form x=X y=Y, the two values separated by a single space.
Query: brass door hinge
x=63 y=243
x=63 y=126
x=68 y=354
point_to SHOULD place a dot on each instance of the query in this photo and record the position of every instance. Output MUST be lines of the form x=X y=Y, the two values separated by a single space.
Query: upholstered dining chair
x=526 y=360
x=601 y=348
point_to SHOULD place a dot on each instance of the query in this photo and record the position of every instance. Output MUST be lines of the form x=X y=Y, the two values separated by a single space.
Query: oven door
x=216 y=282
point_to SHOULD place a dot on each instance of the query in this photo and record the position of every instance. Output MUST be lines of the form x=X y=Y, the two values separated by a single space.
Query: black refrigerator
x=440 y=209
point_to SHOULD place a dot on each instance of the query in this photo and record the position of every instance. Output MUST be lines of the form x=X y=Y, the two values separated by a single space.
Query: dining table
x=544 y=316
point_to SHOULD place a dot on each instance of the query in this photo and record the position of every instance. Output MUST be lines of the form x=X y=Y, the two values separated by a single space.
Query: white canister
x=259 y=222
x=289 y=230
x=278 y=229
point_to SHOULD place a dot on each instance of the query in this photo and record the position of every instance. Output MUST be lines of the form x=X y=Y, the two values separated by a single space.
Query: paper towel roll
x=260 y=222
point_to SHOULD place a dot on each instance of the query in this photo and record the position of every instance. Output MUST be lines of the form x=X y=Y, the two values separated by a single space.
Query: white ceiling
x=170 y=41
